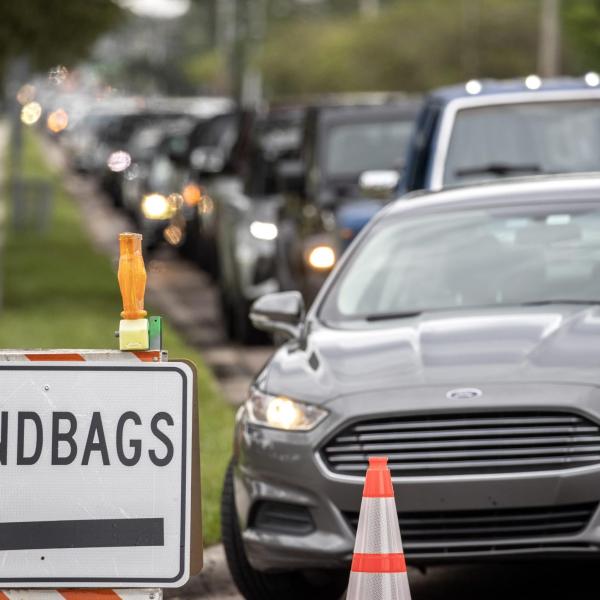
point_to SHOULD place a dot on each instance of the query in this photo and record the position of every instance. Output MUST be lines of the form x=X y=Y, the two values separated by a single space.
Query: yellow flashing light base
x=133 y=334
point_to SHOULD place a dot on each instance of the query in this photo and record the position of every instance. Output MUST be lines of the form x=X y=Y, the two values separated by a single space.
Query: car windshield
x=352 y=148
x=497 y=257
x=523 y=139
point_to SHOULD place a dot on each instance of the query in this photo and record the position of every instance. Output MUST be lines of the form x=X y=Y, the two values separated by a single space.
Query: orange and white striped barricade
x=378 y=566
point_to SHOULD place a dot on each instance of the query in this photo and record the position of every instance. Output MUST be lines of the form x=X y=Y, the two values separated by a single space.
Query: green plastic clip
x=155 y=333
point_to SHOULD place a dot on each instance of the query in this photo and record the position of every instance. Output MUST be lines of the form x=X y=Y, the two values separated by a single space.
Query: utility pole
x=249 y=18
x=549 y=38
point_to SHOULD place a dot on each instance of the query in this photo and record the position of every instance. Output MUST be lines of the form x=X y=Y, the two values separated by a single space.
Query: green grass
x=60 y=293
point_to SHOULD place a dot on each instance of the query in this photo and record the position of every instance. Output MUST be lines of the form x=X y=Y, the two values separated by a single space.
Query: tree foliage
x=581 y=19
x=50 y=32
x=412 y=45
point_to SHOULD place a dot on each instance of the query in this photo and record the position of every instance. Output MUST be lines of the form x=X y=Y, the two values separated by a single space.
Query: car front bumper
x=286 y=470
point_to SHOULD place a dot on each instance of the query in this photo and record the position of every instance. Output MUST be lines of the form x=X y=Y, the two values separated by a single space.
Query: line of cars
x=263 y=200
x=458 y=335
x=455 y=330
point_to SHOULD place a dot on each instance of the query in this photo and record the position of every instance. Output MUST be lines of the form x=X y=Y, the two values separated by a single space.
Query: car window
x=469 y=259
x=520 y=139
x=352 y=148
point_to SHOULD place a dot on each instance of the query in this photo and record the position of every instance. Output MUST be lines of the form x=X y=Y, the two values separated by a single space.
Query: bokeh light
x=58 y=74
x=473 y=87
x=173 y=235
x=206 y=206
x=533 y=82
x=58 y=120
x=118 y=161
x=192 y=194
x=31 y=113
x=592 y=79
x=175 y=201
x=156 y=207
x=26 y=94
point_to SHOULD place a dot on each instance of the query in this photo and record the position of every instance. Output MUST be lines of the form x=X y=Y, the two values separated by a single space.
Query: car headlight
x=280 y=412
x=321 y=258
x=156 y=207
x=263 y=231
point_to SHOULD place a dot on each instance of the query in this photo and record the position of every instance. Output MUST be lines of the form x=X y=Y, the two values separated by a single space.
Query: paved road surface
x=187 y=297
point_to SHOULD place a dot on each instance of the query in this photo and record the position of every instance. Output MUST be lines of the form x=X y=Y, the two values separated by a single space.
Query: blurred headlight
x=263 y=231
x=279 y=412
x=31 y=113
x=156 y=207
x=321 y=258
x=118 y=161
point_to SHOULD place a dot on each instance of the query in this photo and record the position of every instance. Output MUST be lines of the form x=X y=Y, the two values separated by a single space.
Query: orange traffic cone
x=378 y=568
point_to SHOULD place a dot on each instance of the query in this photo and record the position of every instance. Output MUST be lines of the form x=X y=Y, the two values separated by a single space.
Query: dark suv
x=325 y=204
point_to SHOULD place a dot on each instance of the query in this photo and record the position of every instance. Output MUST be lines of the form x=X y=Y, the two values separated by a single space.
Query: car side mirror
x=282 y=312
x=209 y=160
x=291 y=176
x=379 y=184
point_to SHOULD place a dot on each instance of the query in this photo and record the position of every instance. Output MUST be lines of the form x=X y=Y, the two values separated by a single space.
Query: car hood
x=552 y=343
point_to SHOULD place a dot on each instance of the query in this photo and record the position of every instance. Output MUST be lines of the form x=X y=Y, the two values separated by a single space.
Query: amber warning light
x=133 y=329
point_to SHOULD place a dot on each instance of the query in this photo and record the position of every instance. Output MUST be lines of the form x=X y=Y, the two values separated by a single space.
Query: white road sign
x=95 y=474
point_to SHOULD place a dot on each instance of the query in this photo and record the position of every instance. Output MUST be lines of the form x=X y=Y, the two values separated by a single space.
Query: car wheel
x=256 y=585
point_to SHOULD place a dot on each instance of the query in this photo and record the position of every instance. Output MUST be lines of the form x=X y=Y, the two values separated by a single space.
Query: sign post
x=99 y=463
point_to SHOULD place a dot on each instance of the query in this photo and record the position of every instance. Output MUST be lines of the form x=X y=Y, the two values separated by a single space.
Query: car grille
x=462 y=531
x=467 y=443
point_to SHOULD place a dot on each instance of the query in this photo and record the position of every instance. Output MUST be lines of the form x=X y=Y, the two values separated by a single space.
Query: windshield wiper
x=499 y=169
x=392 y=315
x=557 y=301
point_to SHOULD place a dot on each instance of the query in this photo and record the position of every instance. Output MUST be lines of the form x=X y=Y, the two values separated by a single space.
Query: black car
x=213 y=167
x=246 y=222
x=460 y=337
x=162 y=188
x=326 y=205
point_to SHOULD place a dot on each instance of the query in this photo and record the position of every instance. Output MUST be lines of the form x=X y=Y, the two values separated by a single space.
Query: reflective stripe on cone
x=378 y=567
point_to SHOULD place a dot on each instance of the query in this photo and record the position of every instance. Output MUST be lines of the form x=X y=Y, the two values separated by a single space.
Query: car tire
x=256 y=585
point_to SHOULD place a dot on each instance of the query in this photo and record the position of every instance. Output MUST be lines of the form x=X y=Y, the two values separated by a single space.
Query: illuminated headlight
x=321 y=258
x=157 y=207
x=263 y=231
x=280 y=412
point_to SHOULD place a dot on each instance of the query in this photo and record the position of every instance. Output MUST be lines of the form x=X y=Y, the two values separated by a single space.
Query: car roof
x=403 y=109
x=493 y=87
x=526 y=190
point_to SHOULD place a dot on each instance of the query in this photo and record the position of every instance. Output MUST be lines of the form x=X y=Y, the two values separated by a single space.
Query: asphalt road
x=187 y=297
